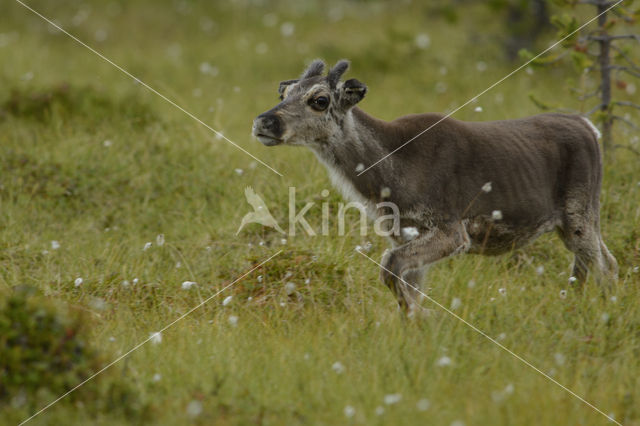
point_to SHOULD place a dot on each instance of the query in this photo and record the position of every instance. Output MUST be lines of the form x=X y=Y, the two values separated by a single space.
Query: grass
x=162 y=173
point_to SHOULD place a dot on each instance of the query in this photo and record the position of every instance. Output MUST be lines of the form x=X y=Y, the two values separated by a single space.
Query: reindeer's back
x=533 y=163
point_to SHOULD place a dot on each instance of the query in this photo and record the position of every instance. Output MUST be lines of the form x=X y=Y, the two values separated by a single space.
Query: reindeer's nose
x=271 y=123
x=267 y=127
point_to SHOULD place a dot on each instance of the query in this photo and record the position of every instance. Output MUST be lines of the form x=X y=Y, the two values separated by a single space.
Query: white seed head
x=496 y=215
x=233 y=320
x=290 y=288
x=478 y=109
x=160 y=240
x=156 y=337
x=385 y=192
x=227 y=300
x=392 y=398
x=423 y=404
x=338 y=367
x=287 y=29
x=349 y=411
x=563 y=294
x=194 y=409
x=239 y=172
x=188 y=284
x=409 y=233
x=455 y=303
x=444 y=361
x=147 y=246
x=572 y=280
x=487 y=187
x=55 y=245
x=359 y=167
x=540 y=270
x=502 y=291
x=422 y=41
x=78 y=282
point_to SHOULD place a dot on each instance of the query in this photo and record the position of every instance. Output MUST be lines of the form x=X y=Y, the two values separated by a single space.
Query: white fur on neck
x=592 y=127
x=345 y=186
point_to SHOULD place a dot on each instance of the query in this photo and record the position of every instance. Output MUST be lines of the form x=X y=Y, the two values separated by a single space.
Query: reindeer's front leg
x=404 y=261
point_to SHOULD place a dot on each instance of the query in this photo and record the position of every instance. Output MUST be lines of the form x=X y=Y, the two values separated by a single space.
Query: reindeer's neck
x=360 y=144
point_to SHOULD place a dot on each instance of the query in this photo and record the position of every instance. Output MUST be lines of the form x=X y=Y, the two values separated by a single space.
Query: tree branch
x=594 y=109
x=596 y=3
x=625 y=121
x=625 y=56
x=626 y=104
x=628 y=148
x=623 y=14
x=585 y=96
x=628 y=70
x=635 y=37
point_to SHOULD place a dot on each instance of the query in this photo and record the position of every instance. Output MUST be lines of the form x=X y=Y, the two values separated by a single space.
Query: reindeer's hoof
x=419 y=312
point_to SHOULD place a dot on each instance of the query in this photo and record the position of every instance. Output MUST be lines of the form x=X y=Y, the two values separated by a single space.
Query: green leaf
x=581 y=60
x=540 y=104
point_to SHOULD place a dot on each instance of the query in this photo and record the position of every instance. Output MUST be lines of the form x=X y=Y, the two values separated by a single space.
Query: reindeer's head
x=312 y=108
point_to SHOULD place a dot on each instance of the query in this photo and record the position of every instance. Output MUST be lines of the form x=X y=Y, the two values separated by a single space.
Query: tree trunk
x=604 y=61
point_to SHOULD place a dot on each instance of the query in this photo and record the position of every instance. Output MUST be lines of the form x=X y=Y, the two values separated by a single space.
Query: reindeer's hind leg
x=403 y=266
x=580 y=233
x=610 y=263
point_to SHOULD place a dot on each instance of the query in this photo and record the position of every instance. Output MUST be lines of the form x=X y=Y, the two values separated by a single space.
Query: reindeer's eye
x=320 y=103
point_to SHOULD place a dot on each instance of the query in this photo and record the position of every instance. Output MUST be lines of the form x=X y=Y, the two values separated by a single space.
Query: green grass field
x=95 y=162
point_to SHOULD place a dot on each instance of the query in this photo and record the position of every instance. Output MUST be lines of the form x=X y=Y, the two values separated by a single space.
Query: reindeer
x=461 y=187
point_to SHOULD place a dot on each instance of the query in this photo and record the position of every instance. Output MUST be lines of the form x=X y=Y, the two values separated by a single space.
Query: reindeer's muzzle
x=267 y=128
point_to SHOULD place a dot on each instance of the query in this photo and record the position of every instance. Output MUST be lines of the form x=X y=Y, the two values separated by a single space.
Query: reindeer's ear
x=283 y=86
x=352 y=92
